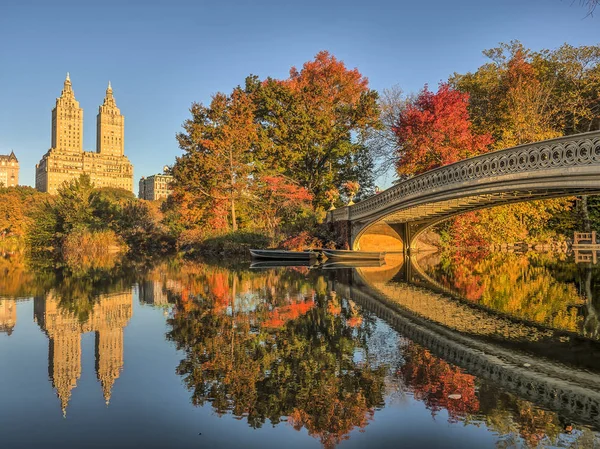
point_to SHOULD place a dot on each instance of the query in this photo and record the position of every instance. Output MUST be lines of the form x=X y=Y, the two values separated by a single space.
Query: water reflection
x=549 y=289
x=8 y=315
x=324 y=351
x=107 y=319
x=274 y=346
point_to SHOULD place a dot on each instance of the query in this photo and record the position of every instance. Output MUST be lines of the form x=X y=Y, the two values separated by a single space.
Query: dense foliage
x=264 y=157
x=84 y=226
x=520 y=96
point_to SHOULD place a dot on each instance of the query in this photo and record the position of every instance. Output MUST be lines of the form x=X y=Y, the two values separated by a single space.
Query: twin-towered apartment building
x=66 y=159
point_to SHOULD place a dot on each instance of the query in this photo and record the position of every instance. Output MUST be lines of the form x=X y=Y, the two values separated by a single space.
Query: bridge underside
x=397 y=230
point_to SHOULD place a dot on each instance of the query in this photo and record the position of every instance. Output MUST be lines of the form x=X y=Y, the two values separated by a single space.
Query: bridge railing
x=569 y=151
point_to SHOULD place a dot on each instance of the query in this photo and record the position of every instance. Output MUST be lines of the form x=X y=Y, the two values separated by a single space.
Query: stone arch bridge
x=394 y=218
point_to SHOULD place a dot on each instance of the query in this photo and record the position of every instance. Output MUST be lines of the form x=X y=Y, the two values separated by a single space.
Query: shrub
x=301 y=242
x=92 y=249
x=238 y=242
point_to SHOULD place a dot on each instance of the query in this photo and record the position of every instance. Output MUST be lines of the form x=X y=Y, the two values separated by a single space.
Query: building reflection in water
x=8 y=315
x=154 y=292
x=109 y=315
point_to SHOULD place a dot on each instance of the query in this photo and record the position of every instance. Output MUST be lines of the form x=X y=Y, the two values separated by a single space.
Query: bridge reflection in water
x=326 y=350
x=553 y=368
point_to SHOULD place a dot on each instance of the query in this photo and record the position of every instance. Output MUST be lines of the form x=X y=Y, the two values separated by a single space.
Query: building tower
x=67 y=121
x=66 y=160
x=110 y=127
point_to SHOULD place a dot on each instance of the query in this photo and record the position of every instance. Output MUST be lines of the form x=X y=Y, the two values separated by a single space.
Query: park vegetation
x=262 y=164
x=520 y=96
x=265 y=158
x=273 y=155
x=88 y=228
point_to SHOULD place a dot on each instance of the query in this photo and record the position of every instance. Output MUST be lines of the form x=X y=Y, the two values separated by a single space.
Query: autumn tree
x=435 y=130
x=313 y=122
x=518 y=98
x=277 y=198
x=88 y=222
x=16 y=207
x=218 y=161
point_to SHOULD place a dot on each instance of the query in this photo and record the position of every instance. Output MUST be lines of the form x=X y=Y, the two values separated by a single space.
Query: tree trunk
x=233 y=217
x=587 y=225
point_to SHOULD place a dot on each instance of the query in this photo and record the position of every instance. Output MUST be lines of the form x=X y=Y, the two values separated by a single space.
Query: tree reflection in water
x=441 y=386
x=277 y=346
x=271 y=346
x=540 y=287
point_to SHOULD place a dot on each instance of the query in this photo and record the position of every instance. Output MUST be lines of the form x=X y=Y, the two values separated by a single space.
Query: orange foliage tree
x=278 y=198
x=217 y=165
x=310 y=122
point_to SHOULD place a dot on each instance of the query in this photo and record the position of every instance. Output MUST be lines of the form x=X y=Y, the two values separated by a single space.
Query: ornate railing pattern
x=570 y=151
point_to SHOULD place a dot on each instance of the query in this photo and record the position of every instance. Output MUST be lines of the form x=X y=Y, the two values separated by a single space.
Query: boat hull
x=270 y=254
x=357 y=263
x=338 y=254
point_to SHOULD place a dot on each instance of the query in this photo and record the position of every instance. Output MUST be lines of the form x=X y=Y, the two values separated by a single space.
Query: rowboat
x=278 y=254
x=272 y=263
x=341 y=254
x=347 y=263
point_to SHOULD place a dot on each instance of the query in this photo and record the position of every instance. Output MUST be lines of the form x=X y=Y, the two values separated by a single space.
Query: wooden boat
x=347 y=263
x=268 y=263
x=278 y=254
x=341 y=254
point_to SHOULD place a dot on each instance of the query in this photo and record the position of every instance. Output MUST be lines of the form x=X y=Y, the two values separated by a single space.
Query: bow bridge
x=394 y=218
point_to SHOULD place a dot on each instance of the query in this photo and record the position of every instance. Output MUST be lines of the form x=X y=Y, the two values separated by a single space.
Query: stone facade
x=155 y=187
x=107 y=166
x=9 y=170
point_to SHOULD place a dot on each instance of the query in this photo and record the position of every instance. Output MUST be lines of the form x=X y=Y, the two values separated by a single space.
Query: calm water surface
x=444 y=350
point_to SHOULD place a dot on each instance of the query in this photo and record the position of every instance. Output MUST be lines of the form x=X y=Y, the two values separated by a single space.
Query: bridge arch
x=554 y=168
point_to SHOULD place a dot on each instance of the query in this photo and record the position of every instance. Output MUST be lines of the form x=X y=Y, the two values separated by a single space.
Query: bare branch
x=382 y=143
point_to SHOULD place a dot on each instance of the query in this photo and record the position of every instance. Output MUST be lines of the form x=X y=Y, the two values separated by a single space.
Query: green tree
x=313 y=123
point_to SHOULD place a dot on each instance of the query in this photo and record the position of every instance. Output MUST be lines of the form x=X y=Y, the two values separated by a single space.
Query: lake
x=444 y=350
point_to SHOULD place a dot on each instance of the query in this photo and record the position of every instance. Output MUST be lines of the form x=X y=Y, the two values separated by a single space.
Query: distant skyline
x=160 y=56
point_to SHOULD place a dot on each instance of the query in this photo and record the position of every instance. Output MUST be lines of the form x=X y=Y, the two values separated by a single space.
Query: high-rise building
x=9 y=170
x=66 y=160
x=155 y=187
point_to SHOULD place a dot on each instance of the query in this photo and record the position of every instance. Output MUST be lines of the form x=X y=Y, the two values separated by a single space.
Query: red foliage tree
x=279 y=198
x=435 y=130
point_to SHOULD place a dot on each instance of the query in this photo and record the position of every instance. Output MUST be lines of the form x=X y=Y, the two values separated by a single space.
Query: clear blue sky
x=162 y=55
